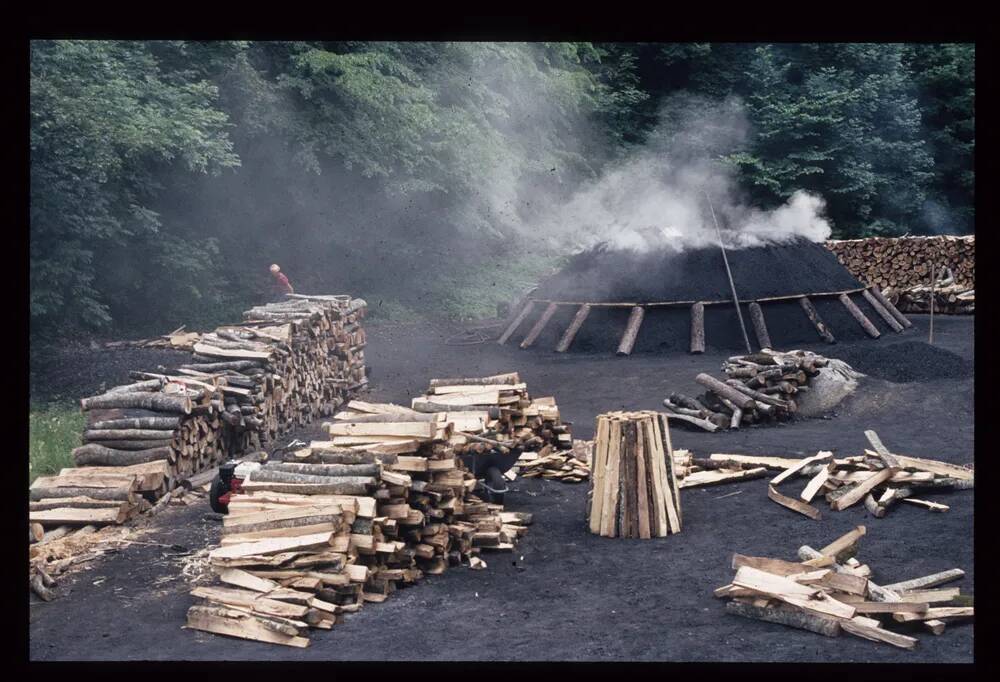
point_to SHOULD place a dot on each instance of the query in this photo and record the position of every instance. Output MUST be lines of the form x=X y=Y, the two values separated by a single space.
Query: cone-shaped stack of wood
x=507 y=411
x=316 y=535
x=634 y=492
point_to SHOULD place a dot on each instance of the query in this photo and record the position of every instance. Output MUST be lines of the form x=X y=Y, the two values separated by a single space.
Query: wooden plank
x=877 y=634
x=715 y=476
x=927 y=504
x=599 y=475
x=512 y=327
x=791 y=592
x=283 y=514
x=631 y=331
x=68 y=516
x=273 y=546
x=927 y=580
x=773 y=566
x=817 y=481
x=936 y=613
x=759 y=325
x=661 y=486
x=409 y=429
x=784 y=615
x=793 y=504
x=932 y=596
x=610 y=506
x=940 y=468
x=844 y=542
x=251 y=600
x=571 y=331
x=801 y=464
x=661 y=429
x=641 y=482
x=532 y=336
x=890 y=607
x=244 y=628
x=861 y=489
x=240 y=578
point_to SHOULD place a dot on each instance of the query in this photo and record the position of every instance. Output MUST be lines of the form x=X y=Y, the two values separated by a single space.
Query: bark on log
x=813 y=315
x=75 y=502
x=146 y=401
x=310 y=488
x=513 y=326
x=758 y=396
x=237 y=365
x=342 y=457
x=327 y=470
x=127 y=434
x=631 y=330
x=267 y=475
x=139 y=386
x=792 y=617
x=132 y=444
x=567 y=338
x=123 y=492
x=759 y=326
x=532 y=336
x=900 y=318
x=493 y=380
x=856 y=313
x=166 y=423
x=741 y=400
x=389 y=418
x=283 y=523
x=98 y=455
x=698 y=328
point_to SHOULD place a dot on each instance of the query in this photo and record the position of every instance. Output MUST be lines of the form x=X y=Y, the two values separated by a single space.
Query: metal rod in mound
x=729 y=274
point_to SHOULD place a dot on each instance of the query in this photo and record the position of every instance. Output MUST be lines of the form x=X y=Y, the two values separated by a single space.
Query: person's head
x=275 y=269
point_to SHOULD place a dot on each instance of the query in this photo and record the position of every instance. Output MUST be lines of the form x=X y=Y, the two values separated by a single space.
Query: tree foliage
x=166 y=174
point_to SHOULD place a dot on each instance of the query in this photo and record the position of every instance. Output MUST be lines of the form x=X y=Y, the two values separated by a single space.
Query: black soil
x=602 y=275
x=905 y=362
x=599 y=275
x=565 y=594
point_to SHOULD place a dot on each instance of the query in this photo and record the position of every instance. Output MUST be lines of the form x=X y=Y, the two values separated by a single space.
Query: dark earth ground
x=564 y=594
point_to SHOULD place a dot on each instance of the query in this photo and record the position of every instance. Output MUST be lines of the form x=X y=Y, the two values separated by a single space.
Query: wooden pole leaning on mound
x=759 y=326
x=862 y=319
x=631 y=330
x=634 y=491
x=882 y=311
x=887 y=304
x=547 y=314
x=821 y=328
x=567 y=338
x=698 y=328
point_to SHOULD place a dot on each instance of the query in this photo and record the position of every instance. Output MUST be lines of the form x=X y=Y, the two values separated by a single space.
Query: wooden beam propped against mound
x=759 y=326
x=516 y=322
x=817 y=321
x=856 y=313
x=532 y=336
x=567 y=338
x=631 y=330
x=890 y=307
x=698 y=328
x=882 y=311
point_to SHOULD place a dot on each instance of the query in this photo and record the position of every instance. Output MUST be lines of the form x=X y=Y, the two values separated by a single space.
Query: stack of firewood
x=634 y=491
x=761 y=388
x=561 y=466
x=828 y=591
x=330 y=527
x=949 y=296
x=502 y=403
x=905 y=262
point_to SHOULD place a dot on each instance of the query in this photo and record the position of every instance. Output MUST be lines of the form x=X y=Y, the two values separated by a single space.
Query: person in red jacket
x=282 y=285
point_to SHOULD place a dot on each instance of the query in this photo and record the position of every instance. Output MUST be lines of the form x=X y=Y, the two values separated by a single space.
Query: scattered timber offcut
x=828 y=591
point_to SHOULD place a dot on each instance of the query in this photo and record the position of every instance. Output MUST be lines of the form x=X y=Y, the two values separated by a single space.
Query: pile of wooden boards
x=506 y=409
x=828 y=591
x=878 y=479
x=760 y=388
x=314 y=536
x=634 y=491
x=563 y=465
x=905 y=262
x=947 y=295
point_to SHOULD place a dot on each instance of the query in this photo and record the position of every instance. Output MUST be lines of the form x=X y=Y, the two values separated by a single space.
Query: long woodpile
x=904 y=262
x=828 y=591
x=314 y=536
x=634 y=491
x=502 y=403
x=286 y=364
x=878 y=478
x=948 y=295
x=761 y=388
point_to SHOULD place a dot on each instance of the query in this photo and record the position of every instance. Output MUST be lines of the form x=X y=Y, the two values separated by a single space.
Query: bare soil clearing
x=551 y=598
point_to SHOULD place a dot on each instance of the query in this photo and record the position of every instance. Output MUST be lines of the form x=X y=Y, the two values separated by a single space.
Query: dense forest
x=167 y=175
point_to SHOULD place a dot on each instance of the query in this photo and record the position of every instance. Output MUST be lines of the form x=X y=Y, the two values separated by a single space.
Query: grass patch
x=53 y=431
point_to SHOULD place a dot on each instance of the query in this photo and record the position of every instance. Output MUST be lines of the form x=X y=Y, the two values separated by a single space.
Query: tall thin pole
x=934 y=277
x=729 y=274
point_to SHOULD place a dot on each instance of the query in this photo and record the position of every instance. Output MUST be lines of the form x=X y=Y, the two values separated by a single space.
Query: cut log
x=698 y=328
x=784 y=615
x=127 y=434
x=98 y=455
x=146 y=401
x=79 y=517
x=571 y=331
x=857 y=492
x=927 y=580
x=936 y=613
x=121 y=492
x=900 y=318
x=631 y=331
x=759 y=326
x=166 y=423
x=247 y=627
x=882 y=311
x=741 y=400
x=817 y=322
x=540 y=324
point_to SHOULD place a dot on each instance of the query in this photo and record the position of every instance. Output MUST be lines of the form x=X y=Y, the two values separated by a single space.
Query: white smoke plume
x=658 y=197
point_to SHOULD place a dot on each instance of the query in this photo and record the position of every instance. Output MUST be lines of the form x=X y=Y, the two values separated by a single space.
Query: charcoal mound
x=905 y=362
x=601 y=275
